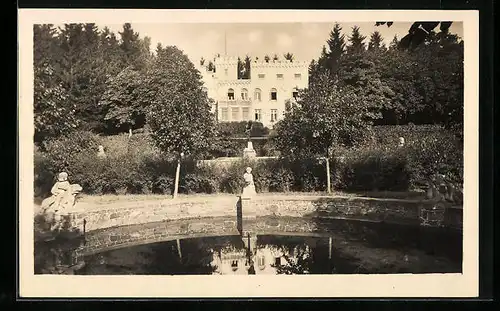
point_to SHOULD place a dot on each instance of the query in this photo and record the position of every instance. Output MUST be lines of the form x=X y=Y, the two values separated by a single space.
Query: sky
x=304 y=40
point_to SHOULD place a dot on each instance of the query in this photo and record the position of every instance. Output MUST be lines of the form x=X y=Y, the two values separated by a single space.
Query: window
x=274 y=115
x=223 y=114
x=261 y=262
x=244 y=94
x=274 y=94
x=295 y=93
x=225 y=71
x=257 y=115
x=257 y=95
x=245 y=113
x=297 y=76
x=230 y=94
x=261 y=76
x=234 y=265
x=279 y=76
x=234 y=113
x=277 y=261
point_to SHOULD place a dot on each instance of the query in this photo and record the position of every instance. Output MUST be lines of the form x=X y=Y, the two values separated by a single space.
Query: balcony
x=236 y=102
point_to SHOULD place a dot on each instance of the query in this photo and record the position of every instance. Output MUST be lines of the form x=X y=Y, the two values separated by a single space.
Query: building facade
x=261 y=98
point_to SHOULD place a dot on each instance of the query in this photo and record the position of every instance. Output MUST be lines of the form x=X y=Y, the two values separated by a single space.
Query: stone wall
x=377 y=210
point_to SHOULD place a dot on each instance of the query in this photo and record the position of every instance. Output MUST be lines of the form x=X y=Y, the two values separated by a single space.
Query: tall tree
x=180 y=112
x=418 y=32
x=441 y=80
x=126 y=100
x=394 y=43
x=131 y=46
x=376 y=42
x=356 y=41
x=240 y=68
x=336 y=45
x=359 y=73
x=323 y=58
x=325 y=115
x=53 y=113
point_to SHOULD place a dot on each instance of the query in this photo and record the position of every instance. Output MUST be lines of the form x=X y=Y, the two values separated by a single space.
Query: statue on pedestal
x=249 y=152
x=249 y=188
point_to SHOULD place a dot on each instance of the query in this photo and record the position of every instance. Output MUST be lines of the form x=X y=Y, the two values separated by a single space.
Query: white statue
x=101 y=154
x=401 y=142
x=249 y=188
x=63 y=194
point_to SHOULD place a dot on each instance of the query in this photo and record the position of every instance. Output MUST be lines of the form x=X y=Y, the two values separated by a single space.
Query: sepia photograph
x=329 y=147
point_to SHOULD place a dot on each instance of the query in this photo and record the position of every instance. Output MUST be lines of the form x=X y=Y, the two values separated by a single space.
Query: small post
x=179 y=249
x=330 y=248
x=177 y=175
x=328 y=186
x=248 y=238
x=328 y=182
x=84 y=230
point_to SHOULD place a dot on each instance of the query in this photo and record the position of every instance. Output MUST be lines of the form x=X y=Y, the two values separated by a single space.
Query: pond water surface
x=340 y=247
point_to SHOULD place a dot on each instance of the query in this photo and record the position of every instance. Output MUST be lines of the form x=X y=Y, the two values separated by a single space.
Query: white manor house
x=261 y=98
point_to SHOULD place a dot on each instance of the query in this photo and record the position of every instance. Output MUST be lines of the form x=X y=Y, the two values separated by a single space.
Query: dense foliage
x=135 y=165
x=422 y=84
x=324 y=115
x=90 y=84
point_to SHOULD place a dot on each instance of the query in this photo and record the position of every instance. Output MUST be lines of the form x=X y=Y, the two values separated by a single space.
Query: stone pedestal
x=246 y=208
x=247 y=217
x=249 y=152
x=250 y=242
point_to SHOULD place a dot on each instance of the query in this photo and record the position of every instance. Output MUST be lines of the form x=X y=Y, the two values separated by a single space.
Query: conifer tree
x=376 y=41
x=356 y=40
x=336 y=45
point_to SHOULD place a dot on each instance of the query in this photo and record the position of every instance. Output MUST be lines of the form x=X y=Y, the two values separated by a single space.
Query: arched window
x=295 y=93
x=244 y=94
x=274 y=94
x=230 y=94
x=257 y=95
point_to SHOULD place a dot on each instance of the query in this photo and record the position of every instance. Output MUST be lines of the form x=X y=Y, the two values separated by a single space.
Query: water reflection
x=344 y=248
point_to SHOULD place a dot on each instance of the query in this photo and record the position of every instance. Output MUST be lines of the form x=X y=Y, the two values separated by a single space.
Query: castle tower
x=226 y=68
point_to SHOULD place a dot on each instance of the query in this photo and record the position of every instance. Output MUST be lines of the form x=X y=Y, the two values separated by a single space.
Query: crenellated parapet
x=279 y=64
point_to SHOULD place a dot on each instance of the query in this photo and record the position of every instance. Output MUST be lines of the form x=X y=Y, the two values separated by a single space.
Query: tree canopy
x=179 y=114
x=324 y=115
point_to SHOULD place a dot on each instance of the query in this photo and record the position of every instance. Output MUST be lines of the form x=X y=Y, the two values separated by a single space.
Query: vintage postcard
x=243 y=153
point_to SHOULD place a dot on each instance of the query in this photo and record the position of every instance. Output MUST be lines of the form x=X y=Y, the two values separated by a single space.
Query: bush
x=62 y=152
x=43 y=175
x=133 y=166
x=373 y=170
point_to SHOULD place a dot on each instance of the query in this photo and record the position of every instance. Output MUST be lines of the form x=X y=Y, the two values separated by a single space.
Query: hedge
x=135 y=166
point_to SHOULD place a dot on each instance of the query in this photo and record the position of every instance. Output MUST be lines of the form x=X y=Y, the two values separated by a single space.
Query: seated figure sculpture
x=439 y=189
x=63 y=195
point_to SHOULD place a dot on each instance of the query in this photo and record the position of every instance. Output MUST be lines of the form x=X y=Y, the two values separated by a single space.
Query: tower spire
x=225 y=43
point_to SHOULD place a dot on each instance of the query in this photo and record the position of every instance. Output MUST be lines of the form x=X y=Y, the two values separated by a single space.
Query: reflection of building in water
x=265 y=258
x=230 y=260
x=269 y=257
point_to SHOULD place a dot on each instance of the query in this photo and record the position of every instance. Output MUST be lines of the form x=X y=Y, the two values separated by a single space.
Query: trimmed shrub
x=134 y=166
x=372 y=170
